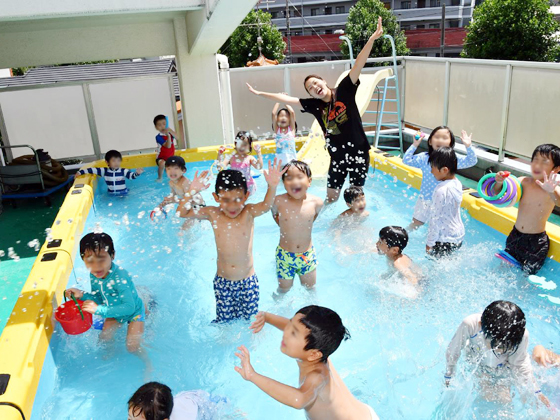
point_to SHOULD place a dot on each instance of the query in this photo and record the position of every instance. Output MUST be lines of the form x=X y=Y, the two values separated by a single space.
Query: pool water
x=394 y=361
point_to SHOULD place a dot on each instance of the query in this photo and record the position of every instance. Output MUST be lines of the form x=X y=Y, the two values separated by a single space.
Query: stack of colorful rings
x=509 y=195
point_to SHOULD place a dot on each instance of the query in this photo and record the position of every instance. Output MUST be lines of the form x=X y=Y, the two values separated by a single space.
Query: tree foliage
x=512 y=30
x=242 y=45
x=362 y=22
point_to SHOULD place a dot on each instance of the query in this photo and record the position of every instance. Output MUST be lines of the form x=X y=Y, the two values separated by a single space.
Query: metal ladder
x=395 y=131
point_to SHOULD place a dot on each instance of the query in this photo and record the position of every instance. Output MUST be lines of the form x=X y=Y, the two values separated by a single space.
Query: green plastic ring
x=487 y=197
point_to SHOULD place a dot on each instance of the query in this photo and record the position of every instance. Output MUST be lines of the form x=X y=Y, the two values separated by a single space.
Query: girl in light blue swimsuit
x=284 y=125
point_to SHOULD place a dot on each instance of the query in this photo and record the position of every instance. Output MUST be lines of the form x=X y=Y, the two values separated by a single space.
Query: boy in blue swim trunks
x=295 y=212
x=113 y=295
x=236 y=286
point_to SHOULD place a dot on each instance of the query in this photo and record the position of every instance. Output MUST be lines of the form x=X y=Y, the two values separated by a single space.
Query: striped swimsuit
x=115 y=178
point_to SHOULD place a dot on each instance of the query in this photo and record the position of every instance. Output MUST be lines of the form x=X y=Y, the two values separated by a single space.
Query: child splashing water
x=284 y=125
x=242 y=160
x=441 y=136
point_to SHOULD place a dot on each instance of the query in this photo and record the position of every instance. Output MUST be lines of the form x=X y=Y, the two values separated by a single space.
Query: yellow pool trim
x=25 y=339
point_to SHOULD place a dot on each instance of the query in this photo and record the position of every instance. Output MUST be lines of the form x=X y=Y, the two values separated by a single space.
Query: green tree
x=512 y=30
x=362 y=22
x=242 y=45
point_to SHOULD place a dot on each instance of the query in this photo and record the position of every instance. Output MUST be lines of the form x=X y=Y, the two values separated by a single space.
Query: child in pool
x=154 y=401
x=114 y=175
x=446 y=230
x=355 y=199
x=545 y=357
x=113 y=295
x=165 y=141
x=181 y=186
x=310 y=337
x=295 y=212
x=496 y=342
x=441 y=136
x=236 y=285
x=392 y=242
x=241 y=159
x=528 y=242
x=284 y=126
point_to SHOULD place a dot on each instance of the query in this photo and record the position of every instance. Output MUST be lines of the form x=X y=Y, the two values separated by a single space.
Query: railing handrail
x=312 y=64
x=475 y=61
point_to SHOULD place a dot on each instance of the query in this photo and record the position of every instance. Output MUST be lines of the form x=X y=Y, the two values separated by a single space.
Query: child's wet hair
x=152 y=400
x=394 y=236
x=550 y=151
x=158 y=118
x=229 y=180
x=299 y=165
x=434 y=131
x=246 y=136
x=97 y=242
x=353 y=192
x=112 y=154
x=444 y=157
x=503 y=323
x=176 y=161
x=326 y=331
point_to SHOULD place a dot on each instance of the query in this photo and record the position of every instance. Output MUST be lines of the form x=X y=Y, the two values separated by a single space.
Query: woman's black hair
x=314 y=76
x=153 y=400
x=112 y=154
x=96 y=242
x=298 y=164
x=434 y=131
x=444 y=157
x=353 y=192
x=326 y=331
x=394 y=236
x=247 y=136
x=503 y=323
x=229 y=180
x=550 y=151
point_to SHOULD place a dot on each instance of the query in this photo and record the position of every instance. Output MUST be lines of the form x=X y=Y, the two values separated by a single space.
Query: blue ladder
x=395 y=131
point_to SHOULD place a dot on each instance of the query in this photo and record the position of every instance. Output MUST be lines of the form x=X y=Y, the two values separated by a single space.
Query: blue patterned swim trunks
x=236 y=299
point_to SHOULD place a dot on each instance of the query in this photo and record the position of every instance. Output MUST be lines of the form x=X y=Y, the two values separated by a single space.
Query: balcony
x=314 y=21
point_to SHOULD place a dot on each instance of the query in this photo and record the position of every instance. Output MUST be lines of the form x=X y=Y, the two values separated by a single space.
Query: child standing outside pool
x=528 y=242
x=440 y=137
x=113 y=295
x=242 y=160
x=114 y=175
x=295 y=212
x=284 y=126
x=166 y=143
x=391 y=243
x=446 y=230
x=236 y=286
x=310 y=337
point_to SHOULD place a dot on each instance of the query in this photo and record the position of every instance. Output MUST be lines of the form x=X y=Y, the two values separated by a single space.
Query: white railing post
x=446 y=93
x=225 y=99
x=287 y=83
x=505 y=112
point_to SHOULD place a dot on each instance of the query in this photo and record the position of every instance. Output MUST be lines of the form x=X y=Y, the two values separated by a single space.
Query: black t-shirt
x=340 y=119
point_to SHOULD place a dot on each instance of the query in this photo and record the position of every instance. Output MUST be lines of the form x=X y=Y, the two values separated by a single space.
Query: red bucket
x=72 y=320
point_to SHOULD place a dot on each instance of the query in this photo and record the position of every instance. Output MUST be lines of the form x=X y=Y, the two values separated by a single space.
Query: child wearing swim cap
x=391 y=243
x=295 y=212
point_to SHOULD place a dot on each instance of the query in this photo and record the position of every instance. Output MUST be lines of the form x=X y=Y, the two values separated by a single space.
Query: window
x=314 y=12
x=421 y=4
x=435 y=3
x=405 y=27
x=434 y=25
x=339 y=10
x=420 y=26
x=455 y=2
x=453 y=23
x=328 y=11
x=274 y=15
x=405 y=4
x=328 y=31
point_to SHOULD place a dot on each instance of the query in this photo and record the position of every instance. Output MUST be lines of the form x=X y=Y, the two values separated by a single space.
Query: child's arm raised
x=272 y=176
x=278 y=97
x=551 y=185
x=288 y=395
x=292 y=118
x=364 y=54
x=267 y=318
x=258 y=162
x=455 y=347
x=199 y=183
x=274 y=114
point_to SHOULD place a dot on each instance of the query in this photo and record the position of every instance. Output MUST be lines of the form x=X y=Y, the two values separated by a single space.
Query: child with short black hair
x=113 y=294
x=446 y=230
x=165 y=141
x=114 y=175
x=496 y=341
x=154 y=401
x=236 y=286
x=355 y=199
x=528 y=242
x=295 y=212
x=392 y=241
x=310 y=337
